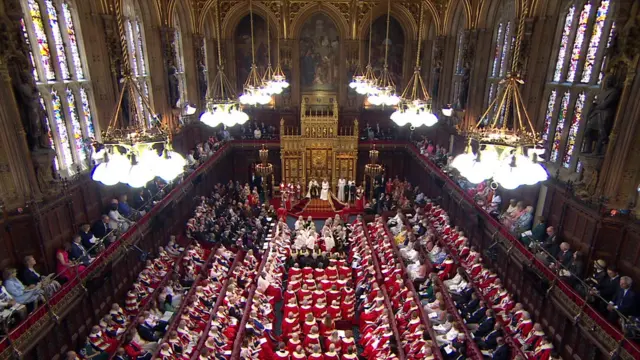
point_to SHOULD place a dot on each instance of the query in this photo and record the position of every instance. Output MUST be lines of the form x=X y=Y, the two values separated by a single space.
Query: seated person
x=31 y=277
x=78 y=252
x=26 y=295
x=117 y=220
x=10 y=311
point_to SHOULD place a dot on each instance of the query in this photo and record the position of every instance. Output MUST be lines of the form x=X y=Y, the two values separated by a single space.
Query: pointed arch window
x=503 y=41
x=584 y=32
x=136 y=46
x=182 y=81
x=52 y=34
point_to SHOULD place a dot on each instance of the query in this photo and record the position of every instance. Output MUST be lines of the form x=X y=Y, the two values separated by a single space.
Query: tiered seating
x=376 y=322
x=190 y=319
x=525 y=338
x=416 y=331
x=108 y=335
x=258 y=337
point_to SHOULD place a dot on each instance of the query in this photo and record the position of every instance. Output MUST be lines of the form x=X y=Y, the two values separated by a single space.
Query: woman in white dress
x=324 y=193
x=341 y=184
x=327 y=235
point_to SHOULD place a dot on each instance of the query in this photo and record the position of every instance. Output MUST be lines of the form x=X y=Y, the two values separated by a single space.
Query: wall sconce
x=447 y=110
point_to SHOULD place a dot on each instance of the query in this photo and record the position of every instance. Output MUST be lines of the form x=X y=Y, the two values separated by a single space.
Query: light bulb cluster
x=137 y=165
x=384 y=96
x=508 y=167
x=415 y=113
x=226 y=113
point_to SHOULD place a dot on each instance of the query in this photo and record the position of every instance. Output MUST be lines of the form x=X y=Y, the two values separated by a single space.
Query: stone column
x=201 y=69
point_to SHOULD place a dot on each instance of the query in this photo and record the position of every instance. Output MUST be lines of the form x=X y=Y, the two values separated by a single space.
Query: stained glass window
x=61 y=127
x=581 y=37
x=548 y=117
x=26 y=40
x=73 y=42
x=579 y=167
x=43 y=43
x=86 y=110
x=140 y=44
x=505 y=49
x=459 y=52
x=57 y=37
x=75 y=125
x=496 y=56
x=557 y=137
x=564 y=43
x=573 y=131
x=132 y=48
x=577 y=43
x=604 y=57
x=47 y=127
x=53 y=37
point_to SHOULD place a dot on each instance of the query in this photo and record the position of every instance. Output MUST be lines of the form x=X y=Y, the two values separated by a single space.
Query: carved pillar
x=201 y=68
x=170 y=60
x=286 y=61
x=469 y=40
x=438 y=57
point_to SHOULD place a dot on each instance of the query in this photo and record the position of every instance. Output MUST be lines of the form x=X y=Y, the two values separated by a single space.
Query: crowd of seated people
x=192 y=318
x=489 y=311
x=414 y=336
x=376 y=132
x=391 y=195
x=374 y=318
x=254 y=130
x=259 y=340
x=438 y=154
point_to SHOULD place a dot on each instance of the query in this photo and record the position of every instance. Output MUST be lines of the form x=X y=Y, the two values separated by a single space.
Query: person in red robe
x=298 y=354
x=309 y=322
x=447 y=269
x=320 y=309
x=327 y=326
x=293 y=343
x=331 y=354
x=282 y=353
x=543 y=351
x=311 y=340
x=348 y=342
x=335 y=311
x=290 y=326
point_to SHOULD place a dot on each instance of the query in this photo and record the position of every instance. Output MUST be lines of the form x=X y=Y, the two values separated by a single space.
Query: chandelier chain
x=515 y=61
x=386 y=39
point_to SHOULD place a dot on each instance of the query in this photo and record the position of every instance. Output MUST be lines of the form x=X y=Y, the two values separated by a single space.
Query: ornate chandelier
x=365 y=83
x=254 y=94
x=384 y=92
x=273 y=81
x=505 y=137
x=264 y=169
x=222 y=104
x=137 y=152
x=415 y=105
x=373 y=169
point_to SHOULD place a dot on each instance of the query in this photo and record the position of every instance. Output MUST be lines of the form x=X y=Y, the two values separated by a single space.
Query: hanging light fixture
x=253 y=94
x=222 y=104
x=384 y=92
x=130 y=153
x=415 y=105
x=273 y=81
x=365 y=83
x=504 y=134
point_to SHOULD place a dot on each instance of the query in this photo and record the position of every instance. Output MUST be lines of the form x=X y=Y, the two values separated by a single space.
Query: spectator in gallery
x=89 y=240
x=29 y=296
x=118 y=222
x=102 y=229
x=31 y=277
x=78 y=252
x=624 y=300
x=65 y=268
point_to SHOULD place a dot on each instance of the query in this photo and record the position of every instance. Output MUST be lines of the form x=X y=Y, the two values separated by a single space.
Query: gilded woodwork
x=319 y=148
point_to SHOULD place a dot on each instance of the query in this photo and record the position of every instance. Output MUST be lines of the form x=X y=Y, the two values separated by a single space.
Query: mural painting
x=319 y=54
x=378 y=45
x=243 y=47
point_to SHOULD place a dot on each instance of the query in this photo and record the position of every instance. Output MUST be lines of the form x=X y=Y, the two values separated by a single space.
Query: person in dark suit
x=478 y=315
x=490 y=341
x=574 y=271
x=466 y=297
x=78 y=252
x=502 y=351
x=564 y=256
x=100 y=228
x=459 y=347
x=146 y=333
x=624 y=300
x=486 y=325
x=607 y=288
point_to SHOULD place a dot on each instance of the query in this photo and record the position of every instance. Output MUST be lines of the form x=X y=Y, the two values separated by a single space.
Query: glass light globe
x=463 y=161
x=116 y=168
x=375 y=100
x=240 y=116
x=99 y=171
x=172 y=166
x=362 y=89
x=430 y=119
x=139 y=175
x=392 y=100
x=209 y=118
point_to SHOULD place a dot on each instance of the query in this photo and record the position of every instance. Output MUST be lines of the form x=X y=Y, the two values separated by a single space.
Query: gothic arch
x=312 y=9
x=455 y=14
x=401 y=14
x=496 y=9
x=182 y=11
x=239 y=11
x=148 y=11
